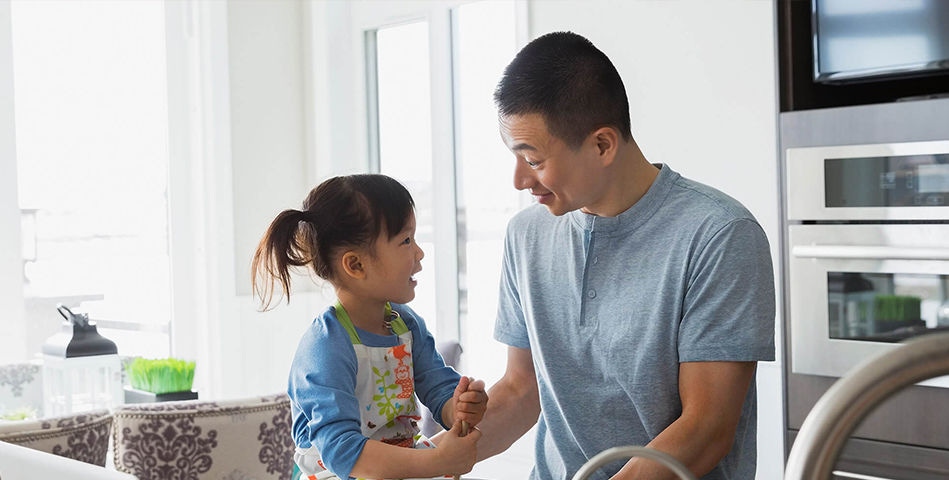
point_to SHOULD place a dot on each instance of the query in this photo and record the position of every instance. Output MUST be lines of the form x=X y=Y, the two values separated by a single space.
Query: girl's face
x=395 y=261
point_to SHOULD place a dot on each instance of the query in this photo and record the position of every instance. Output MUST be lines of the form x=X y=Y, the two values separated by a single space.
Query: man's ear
x=351 y=262
x=606 y=140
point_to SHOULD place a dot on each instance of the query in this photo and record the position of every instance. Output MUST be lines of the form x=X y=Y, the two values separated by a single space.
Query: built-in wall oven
x=866 y=266
x=869 y=255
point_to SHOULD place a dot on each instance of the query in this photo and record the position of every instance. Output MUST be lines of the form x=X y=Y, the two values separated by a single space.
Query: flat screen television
x=868 y=40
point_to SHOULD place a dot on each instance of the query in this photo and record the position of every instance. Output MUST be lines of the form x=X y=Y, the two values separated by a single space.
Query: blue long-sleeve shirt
x=322 y=385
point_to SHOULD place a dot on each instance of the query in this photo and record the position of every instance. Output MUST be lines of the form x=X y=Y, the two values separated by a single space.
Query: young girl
x=363 y=363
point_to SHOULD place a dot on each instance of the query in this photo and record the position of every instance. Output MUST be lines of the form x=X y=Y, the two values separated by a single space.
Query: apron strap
x=397 y=325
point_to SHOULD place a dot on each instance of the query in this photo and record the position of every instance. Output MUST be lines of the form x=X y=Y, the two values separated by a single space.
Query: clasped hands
x=465 y=412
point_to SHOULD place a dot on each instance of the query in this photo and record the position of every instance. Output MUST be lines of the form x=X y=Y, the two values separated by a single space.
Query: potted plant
x=21 y=413
x=896 y=311
x=159 y=380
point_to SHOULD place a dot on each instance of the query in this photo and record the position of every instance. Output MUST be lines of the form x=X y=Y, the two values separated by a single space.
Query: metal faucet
x=838 y=412
x=619 y=453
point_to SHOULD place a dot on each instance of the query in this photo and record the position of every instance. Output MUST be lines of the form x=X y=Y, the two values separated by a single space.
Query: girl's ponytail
x=286 y=244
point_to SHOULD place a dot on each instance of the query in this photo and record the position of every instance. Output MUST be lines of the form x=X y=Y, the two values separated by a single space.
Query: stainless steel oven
x=866 y=265
x=868 y=251
x=856 y=290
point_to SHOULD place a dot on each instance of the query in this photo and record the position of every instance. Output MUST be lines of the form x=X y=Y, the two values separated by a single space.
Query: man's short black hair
x=568 y=81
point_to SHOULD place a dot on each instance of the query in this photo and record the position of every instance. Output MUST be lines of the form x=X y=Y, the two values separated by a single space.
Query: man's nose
x=523 y=175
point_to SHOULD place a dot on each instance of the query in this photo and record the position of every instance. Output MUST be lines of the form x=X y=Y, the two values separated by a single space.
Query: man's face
x=559 y=177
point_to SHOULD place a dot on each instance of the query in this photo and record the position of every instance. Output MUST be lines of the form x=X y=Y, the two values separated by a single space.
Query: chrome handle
x=857 y=476
x=619 y=453
x=869 y=252
x=851 y=398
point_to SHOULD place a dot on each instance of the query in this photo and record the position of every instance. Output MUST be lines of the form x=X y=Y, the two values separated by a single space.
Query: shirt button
x=596 y=259
x=591 y=293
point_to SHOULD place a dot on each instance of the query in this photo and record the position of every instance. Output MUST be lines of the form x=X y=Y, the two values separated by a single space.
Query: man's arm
x=513 y=407
x=712 y=396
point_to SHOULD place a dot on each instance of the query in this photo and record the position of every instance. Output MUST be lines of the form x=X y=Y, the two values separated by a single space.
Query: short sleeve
x=510 y=327
x=729 y=306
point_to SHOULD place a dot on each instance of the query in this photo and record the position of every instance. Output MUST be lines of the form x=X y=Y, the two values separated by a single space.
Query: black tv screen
x=866 y=40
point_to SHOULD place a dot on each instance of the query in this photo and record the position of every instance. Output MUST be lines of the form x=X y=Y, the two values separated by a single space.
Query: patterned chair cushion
x=82 y=436
x=192 y=440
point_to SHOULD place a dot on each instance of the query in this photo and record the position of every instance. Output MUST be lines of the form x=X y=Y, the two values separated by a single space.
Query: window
x=433 y=126
x=91 y=116
x=487 y=198
x=405 y=134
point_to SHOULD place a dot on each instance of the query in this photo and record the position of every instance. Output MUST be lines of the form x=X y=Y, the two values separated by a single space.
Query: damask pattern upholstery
x=195 y=440
x=81 y=436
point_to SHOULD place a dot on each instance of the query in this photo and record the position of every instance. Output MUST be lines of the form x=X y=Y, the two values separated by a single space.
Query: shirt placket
x=588 y=294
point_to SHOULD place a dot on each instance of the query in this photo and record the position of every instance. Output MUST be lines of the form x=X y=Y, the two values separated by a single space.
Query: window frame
x=368 y=18
x=11 y=262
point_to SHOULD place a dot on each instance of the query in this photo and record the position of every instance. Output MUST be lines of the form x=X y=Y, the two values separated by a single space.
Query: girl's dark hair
x=568 y=81
x=341 y=213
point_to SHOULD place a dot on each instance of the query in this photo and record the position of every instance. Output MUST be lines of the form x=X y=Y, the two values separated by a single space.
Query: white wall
x=268 y=134
x=260 y=160
x=274 y=142
x=702 y=85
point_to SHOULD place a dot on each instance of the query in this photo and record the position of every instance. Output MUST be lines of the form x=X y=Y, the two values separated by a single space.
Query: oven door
x=857 y=290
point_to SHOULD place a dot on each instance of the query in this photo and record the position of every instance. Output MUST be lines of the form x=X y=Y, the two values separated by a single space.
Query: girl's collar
x=392 y=321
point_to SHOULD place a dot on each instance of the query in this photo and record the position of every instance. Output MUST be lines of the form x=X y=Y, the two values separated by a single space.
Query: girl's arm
x=321 y=386
x=455 y=455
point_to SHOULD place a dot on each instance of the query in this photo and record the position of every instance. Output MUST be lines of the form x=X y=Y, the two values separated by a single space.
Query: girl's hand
x=470 y=401
x=457 y=454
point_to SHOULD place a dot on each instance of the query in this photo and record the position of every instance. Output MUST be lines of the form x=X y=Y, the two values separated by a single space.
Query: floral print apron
x=385 y=388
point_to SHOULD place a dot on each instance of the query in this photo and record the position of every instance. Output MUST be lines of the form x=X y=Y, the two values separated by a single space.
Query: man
x=635 y=302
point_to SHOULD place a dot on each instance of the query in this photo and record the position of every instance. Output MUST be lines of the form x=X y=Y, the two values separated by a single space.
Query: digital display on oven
x=891 y=181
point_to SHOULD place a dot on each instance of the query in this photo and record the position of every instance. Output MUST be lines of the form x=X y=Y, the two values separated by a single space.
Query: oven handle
x=869 y=252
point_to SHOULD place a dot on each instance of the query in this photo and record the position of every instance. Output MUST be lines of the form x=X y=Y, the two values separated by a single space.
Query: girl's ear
x=352 y=265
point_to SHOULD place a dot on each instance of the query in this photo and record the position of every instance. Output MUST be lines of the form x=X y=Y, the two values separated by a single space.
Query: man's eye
x=530 y=163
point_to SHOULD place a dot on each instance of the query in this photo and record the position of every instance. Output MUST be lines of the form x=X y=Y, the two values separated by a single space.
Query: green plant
x=22 y=413
x=161 y=375
x=896 y=308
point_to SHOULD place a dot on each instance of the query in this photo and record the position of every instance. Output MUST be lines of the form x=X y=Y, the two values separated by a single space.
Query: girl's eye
x=407 y=241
